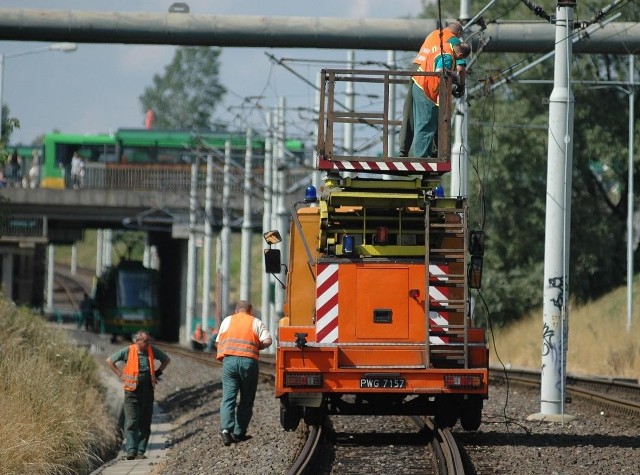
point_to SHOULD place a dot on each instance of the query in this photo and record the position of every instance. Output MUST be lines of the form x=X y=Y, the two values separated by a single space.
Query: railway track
x=380 y=445
x=68 y=292
x=69 y=289
x=622 y=397
x=395 y=444
x=416 y=443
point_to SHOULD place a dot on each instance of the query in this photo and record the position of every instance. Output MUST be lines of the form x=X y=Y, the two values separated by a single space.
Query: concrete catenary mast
x=558 y=225
x=245 y=250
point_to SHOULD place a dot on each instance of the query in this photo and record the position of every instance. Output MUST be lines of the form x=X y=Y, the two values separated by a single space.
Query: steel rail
x=304 y=463
x=266 y=364
x=446 y=445
x=604 y=391
x=63 y=282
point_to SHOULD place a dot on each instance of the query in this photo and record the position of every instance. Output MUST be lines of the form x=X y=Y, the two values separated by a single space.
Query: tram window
x=63 y=153
x=136 y=289
x=135 y=155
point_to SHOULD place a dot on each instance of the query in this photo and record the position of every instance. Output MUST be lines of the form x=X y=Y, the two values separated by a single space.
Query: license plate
x=382 y=383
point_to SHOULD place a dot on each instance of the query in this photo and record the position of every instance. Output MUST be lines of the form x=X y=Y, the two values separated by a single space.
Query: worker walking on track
x=139 y=377
x=240 y=339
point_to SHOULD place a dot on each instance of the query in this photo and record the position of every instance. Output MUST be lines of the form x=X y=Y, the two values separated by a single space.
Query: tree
x=186 y=95
x=508 y=151
x=8 y=124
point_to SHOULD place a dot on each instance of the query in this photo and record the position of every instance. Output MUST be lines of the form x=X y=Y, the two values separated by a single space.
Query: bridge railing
x=175 y=178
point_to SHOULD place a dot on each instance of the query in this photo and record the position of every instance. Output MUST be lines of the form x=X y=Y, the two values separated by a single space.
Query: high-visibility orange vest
x=239 y=339
x=132 y=368
x=426 y=60
x=433 y=39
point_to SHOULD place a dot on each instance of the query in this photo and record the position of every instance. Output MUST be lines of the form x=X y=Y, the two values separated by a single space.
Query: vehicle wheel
x=447 y=411
x=314 y=416
x=471 y=417
x=289 y=416
x=446 y=419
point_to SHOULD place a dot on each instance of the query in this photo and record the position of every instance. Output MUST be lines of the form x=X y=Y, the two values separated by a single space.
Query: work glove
x=158 y=374
x=457 y=90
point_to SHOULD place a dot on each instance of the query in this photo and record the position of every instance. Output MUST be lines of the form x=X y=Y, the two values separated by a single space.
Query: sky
x=96 y=89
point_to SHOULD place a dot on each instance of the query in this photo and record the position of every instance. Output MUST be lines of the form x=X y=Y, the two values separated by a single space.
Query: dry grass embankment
x=599 y=344
x=52 y=416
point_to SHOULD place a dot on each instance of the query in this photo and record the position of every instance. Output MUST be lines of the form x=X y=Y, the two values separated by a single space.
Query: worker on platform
x=139 y=377
x=448 y=37
x=426 y=95
x=240 y=339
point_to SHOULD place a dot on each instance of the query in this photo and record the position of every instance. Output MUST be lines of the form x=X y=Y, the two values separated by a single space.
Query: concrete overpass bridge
x=147 y=198
x=31 y=219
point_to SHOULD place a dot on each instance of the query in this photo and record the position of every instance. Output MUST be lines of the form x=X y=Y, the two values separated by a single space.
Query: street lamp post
x=65 y=47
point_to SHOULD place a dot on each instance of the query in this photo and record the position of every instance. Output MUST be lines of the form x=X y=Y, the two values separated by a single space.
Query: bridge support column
x=7 y=275
x=51 y=261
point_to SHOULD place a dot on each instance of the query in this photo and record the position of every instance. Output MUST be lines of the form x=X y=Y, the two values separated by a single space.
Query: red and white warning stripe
x=438 y=294
x=327 y=303
x=383 y=166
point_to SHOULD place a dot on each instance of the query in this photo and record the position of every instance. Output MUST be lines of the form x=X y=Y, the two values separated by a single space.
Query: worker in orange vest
x=426 y=95
x=448 y=37
x=240 y=339
x=199 y=338
x=139 y=377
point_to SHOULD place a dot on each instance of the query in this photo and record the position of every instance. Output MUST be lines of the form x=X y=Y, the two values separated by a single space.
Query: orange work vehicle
x=377 y=308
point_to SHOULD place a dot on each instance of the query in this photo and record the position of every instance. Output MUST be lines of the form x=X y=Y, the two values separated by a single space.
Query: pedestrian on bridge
x=240 y=339
x=77 y=170
x=139 y=377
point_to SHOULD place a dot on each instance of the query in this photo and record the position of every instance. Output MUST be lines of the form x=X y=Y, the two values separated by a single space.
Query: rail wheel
x=471 y=416
x=289 y=415
x=314 y=416
x=447 y=411
x=446 y=419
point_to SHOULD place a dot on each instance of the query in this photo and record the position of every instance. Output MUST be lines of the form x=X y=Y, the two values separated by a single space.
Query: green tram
x=127 y=299
x=161 y=149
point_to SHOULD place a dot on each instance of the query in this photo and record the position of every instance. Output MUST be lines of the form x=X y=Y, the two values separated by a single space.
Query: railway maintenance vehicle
x=377 y=317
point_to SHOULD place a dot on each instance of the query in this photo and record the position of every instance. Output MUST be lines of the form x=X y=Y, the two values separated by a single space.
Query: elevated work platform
x=376 y=121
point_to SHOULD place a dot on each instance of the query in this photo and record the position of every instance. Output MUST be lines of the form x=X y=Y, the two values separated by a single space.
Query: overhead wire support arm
x=478 y=19
x=577 y=37
x=602 y=13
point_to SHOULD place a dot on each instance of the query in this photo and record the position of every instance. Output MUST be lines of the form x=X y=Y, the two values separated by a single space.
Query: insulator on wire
x=537 y=9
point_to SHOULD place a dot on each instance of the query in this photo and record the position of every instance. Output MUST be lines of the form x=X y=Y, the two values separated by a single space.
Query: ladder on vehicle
x=445 y=254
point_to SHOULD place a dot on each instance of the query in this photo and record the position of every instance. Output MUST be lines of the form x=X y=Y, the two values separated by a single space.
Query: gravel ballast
x=595 y=442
